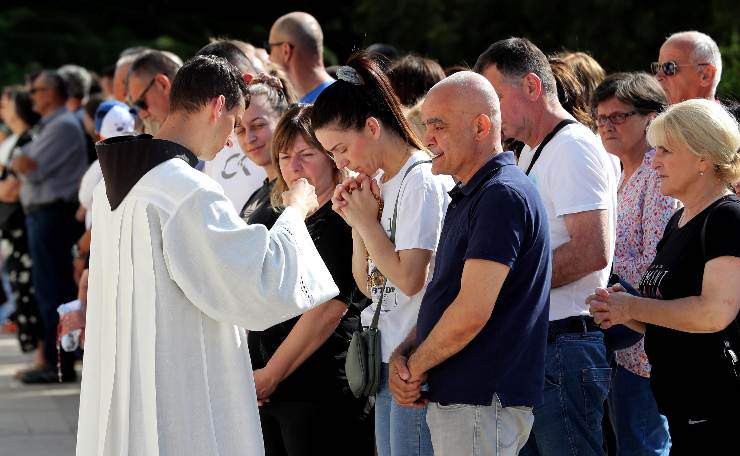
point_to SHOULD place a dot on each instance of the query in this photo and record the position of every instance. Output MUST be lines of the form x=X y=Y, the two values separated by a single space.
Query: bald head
x=469 y=92
x=463 y=124
x=300 y=29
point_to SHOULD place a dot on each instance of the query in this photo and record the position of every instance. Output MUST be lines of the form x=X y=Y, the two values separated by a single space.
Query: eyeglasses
x=35 y=90
x=616 y=118
x=140 y=104
x=267 y=45
x=670 y=67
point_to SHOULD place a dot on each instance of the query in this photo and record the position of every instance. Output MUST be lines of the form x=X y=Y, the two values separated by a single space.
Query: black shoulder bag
x=362 y=365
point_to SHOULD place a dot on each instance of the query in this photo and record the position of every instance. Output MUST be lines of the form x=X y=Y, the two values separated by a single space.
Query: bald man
x=481 y=334
x=689 y=66
x=296 y=45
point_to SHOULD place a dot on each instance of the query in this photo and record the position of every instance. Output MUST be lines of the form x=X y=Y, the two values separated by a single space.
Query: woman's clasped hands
x=357 y=201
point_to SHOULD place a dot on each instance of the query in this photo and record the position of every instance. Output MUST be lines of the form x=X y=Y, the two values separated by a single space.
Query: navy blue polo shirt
x=497 y=216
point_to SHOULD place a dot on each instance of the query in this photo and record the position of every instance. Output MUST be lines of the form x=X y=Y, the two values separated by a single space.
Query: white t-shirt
x=574 y=174
x=421 y=210
x=6 y=147
x=238 y=175
x=90 y=179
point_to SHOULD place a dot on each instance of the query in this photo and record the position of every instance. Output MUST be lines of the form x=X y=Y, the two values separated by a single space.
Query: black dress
x=257 y=209
x=312 y=411
x=693 y=383
x=18 y=266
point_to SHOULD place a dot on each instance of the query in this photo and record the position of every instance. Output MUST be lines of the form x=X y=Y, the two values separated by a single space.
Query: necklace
x=683 y=220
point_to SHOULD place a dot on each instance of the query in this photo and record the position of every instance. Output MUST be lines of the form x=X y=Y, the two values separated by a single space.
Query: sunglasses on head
x=140 y=104
x=670 y=67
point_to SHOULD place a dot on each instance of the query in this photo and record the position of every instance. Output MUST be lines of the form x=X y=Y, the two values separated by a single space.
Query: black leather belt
x=579 y=324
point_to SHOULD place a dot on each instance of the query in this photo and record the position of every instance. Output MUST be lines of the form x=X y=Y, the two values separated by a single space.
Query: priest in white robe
x=175 y=276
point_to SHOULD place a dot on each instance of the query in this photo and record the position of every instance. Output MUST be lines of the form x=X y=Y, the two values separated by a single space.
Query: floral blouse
x=643 y=213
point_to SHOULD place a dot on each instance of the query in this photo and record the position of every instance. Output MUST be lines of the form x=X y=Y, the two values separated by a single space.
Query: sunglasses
x=670 y=67
x=616 y=118
x=140 y=104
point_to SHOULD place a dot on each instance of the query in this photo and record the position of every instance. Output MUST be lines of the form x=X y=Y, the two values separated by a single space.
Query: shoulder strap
x=727 y=341
x=703 y=234
x=376 y=315
x=563 y=123
x=398 y=197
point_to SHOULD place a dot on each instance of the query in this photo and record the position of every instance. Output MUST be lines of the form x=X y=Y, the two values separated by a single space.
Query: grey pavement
x=39 y=420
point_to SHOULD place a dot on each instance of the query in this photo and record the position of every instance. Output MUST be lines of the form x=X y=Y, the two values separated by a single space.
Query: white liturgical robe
x=175 y=275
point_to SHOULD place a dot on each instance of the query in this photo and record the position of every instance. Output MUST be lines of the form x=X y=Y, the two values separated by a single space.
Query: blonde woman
x=692 y=288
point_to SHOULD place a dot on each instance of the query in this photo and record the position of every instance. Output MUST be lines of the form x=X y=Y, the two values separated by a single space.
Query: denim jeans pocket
x=447 y=407
x=595 y=385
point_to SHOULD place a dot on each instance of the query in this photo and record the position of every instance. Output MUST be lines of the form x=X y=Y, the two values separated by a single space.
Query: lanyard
x=558 y=127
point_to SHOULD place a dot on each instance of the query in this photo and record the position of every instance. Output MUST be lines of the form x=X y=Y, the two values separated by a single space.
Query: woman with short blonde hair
x=691 y=292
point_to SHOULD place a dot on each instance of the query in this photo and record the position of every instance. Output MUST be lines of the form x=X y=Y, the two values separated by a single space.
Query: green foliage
x=622 y=35
x=729 y=86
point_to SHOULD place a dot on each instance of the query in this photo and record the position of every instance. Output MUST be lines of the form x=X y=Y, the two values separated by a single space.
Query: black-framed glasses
x=616 y=118
x=140 y=104
x=35 y=90
x=267 y=45
x=670 y=68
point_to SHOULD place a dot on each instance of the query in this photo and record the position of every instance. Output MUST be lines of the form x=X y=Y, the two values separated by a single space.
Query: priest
x=176 y=276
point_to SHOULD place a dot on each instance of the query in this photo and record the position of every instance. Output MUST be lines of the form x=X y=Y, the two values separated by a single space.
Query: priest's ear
x=216 y=108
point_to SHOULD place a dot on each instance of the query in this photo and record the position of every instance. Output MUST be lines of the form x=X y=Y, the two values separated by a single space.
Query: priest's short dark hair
x=203 y=78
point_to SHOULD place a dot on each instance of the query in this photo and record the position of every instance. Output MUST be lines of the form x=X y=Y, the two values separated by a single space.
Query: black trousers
x=315 y=428
x=52 y=230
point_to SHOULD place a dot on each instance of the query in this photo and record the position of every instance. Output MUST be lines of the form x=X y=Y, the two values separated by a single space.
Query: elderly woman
x=624 y=105
x=691 y=290
x=306 y=407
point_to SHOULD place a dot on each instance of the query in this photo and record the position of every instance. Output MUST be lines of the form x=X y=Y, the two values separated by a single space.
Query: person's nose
x=341 y=162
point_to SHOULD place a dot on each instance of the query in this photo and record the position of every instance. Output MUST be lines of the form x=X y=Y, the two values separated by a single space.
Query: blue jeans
x=577 y=379
x=639 y=428
x=399 y=431
x=51 y=233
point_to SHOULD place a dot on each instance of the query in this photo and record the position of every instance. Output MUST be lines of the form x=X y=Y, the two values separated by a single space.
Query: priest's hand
x=265 y=383
x=302 y=196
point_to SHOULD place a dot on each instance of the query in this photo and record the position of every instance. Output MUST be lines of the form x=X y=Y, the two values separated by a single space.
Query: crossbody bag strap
x=376 y=316
x=729 y=349
x=563 y=123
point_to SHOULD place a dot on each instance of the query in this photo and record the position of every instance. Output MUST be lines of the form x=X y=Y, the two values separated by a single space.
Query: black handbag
x=619 y=337
x=362 y=365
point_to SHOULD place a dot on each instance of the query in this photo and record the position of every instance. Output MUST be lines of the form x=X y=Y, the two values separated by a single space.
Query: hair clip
x=349 y=74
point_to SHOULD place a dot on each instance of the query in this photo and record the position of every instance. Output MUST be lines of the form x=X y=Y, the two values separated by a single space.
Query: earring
x=701 y=173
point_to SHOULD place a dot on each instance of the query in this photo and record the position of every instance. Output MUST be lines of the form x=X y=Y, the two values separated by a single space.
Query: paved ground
x=34 y=420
